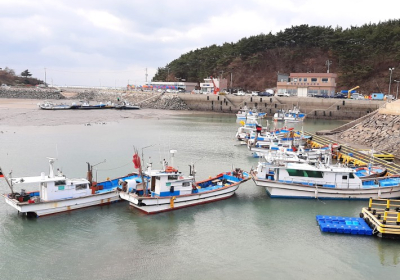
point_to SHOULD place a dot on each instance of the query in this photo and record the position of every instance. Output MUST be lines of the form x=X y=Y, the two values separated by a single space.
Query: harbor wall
x=379 y=131
x=318 y=108
x=315 y=108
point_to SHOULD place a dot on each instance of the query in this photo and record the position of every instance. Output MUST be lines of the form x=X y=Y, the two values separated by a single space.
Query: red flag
x=136 y=161
x=1 y=173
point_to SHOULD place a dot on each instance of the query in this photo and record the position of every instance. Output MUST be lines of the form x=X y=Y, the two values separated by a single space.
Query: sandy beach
x=20 y=112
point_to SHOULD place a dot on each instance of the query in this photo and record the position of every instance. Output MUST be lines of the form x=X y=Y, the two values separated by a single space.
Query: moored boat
x=127 y=106
x=56 y=193
x=323 y=181
x=370 y=171
x=168 y=189
x=50 y=106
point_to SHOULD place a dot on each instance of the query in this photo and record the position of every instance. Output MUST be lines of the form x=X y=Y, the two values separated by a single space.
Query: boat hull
x=153 y=205
x=284 y=190
x=58 y=206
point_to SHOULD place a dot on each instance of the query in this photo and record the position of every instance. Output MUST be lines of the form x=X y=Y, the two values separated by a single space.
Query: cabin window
x=58 y=183
x=172 y=177
x=186 y=184
x=314 y=174
x=351 y=176
x=305 y=173
x=157 y=178
x=344 y=177
x=81 y=187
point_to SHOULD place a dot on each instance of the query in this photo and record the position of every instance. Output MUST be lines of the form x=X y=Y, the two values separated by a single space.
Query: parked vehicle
x=265 y=94
x=283 y=94
x=341 y=95
x=240 y=93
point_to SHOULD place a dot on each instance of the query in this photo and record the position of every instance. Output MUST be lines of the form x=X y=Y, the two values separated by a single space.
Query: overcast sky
x=108 y=43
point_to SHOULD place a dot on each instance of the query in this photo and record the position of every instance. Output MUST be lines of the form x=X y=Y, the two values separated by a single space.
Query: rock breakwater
x=31 y=93
x=152 y=100
x=381 y=132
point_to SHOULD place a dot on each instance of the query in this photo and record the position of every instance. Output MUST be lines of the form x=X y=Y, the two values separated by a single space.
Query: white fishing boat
x=47 y=105
x=127 y=106
x=242 y=113
x=168 y=189
x=322 y=180
x=55 y=193
x=292 y=115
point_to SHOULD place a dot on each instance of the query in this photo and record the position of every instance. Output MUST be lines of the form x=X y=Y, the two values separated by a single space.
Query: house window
x=305 y=80
x=299 y=79
x=314 y=79
x=324 y=80
x=294 y=79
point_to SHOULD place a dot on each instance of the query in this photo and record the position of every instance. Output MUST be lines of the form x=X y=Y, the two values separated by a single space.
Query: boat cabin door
x=342 y=180
x=153 y=184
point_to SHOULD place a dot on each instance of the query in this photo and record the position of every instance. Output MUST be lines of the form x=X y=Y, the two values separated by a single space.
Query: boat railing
x=322 y=184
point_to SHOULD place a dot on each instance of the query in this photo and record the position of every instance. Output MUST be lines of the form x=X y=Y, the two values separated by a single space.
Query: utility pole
x=328 y=63
x=397 y=93
x=231 y=81
x=146 y=75
x=390 y=78
x=45 y=76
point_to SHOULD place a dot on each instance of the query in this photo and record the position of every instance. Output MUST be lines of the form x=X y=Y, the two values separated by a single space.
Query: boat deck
x=350 y=155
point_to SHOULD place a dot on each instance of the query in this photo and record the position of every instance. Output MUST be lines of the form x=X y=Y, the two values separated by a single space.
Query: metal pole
x=397 y=92
x=231 y=82
x=390 y=77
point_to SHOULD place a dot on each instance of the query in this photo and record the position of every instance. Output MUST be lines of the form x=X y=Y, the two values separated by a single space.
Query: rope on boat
x=114 y=168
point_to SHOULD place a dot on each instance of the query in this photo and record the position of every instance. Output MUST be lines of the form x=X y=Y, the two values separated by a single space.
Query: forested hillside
x=359 y=55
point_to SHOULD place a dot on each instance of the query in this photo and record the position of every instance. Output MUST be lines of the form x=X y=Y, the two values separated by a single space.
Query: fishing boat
x=50 y=106
x=370 y=171
x=85 y=105
x=322 y=180
x=56 y=193
x=168 y=189
x=292 y=115
x=242 y=113
x=126 y=106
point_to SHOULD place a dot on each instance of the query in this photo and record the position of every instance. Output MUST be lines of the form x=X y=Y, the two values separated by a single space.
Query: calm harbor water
x=247 y=236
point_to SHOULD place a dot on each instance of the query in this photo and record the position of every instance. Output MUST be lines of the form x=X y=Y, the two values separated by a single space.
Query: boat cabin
x=54 y=187
x=306 y=174
x=169 y=182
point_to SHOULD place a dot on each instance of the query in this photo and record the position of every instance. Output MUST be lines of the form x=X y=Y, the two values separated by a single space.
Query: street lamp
x=390 y=78
x=397 y=93
x=231 y=80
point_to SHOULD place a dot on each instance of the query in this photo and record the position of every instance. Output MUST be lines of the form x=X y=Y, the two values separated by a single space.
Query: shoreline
x=25 y=112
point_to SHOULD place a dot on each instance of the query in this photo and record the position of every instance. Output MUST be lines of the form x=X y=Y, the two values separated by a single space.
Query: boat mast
x=8 y=182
